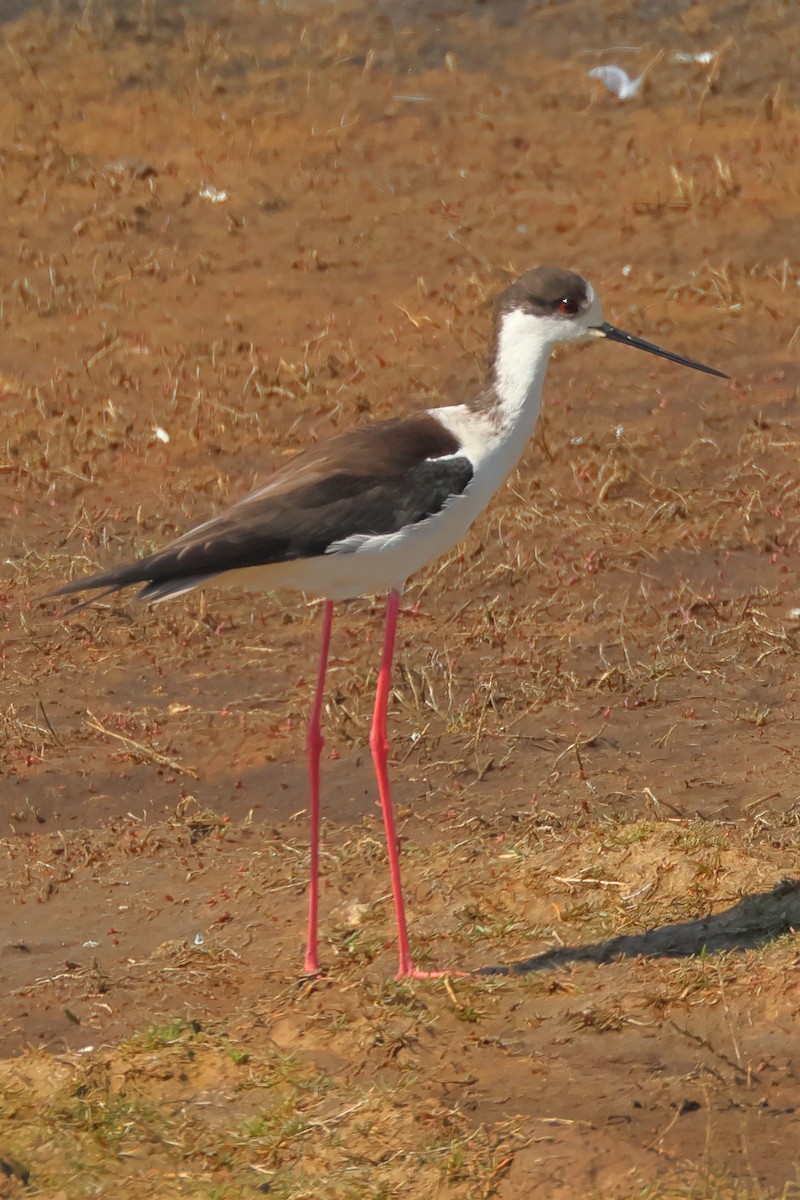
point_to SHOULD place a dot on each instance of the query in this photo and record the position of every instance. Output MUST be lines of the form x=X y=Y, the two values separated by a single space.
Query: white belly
x=364 y=565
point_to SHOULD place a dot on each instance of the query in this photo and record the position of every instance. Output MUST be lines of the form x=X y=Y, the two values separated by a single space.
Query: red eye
x=568 y=306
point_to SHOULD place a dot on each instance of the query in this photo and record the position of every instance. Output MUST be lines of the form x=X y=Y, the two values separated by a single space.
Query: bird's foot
x=416 y=613
x=311 y=971
x=412 y=972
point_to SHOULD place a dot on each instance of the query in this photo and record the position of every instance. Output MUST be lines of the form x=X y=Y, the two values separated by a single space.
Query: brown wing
x=375 y=480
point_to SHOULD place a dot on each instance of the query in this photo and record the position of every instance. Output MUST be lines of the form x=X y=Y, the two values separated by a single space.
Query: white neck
x=495 y=430
x=523 y=351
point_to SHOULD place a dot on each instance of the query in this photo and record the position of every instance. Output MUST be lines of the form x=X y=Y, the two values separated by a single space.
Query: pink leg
x=314 y=744
x=379 y=745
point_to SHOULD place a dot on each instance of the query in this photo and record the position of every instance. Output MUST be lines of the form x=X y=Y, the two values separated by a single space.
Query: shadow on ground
x=753 y=922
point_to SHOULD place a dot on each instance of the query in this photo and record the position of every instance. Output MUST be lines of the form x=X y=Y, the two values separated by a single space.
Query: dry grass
x=340 y=1084
x=594 y=703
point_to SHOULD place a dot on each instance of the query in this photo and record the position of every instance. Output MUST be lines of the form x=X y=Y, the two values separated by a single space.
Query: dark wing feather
x=373 y=481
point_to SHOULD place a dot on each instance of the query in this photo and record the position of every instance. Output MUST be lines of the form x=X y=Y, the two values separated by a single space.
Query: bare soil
x=233 y=228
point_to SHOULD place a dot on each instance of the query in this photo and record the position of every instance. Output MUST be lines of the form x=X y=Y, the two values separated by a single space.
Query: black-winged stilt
x=360 y=513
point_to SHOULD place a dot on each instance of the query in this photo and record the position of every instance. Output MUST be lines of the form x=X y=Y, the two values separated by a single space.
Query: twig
x=147 y=753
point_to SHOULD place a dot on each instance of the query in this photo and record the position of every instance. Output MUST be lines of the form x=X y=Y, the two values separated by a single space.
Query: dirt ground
x=230 y=229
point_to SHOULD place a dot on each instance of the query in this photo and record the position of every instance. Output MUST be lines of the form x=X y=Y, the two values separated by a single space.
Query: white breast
x=493 y=439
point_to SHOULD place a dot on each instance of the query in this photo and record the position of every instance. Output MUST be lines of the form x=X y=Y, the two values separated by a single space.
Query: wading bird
x=361 y=512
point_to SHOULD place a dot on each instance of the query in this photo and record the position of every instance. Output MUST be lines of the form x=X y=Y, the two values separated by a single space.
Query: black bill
x=629 y=339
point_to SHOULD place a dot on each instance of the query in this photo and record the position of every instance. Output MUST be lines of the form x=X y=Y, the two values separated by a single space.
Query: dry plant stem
x=314 y=744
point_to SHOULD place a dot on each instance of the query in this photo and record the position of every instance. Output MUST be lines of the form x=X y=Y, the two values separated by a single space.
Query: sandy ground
x=230 y=229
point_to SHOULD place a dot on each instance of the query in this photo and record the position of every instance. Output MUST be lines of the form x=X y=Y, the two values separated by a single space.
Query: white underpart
x=493 y=439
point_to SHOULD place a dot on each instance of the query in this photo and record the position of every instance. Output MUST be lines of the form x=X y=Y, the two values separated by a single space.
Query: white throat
x=523 y=351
